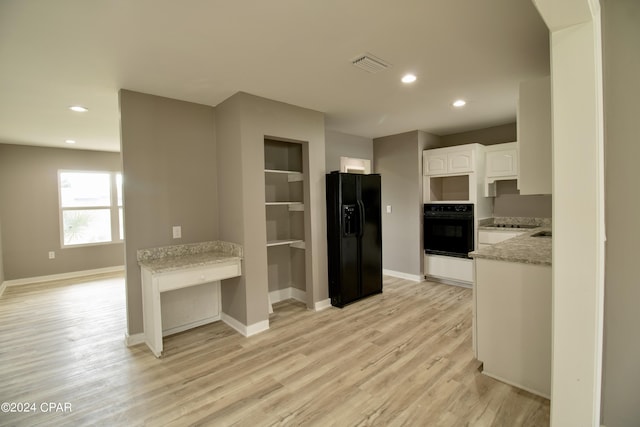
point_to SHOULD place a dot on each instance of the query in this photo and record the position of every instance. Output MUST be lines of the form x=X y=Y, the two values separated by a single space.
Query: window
x=90 y=209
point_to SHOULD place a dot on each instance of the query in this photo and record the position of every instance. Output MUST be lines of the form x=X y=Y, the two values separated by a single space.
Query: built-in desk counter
x=170 y=268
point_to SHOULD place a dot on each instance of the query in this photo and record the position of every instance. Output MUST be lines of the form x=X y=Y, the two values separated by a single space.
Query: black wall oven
x=448 y=229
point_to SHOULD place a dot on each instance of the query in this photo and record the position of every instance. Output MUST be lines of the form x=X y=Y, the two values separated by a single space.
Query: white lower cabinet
x=513 y=323
x=457 y=270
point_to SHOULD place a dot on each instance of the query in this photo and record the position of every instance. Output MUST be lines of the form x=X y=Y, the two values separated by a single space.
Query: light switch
x=177 y=232
x=388 y=208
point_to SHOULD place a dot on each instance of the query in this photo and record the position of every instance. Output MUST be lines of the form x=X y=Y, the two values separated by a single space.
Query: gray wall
x=621 y=376
x=30 y=211
x=345 y=145
x=507 y=202
x=243 y=123
x=398 y=159
x=169 y=164
x=1 y=258
x=230 y=198
x=486 y=136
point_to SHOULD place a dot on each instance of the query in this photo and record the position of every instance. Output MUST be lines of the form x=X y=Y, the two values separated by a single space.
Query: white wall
x=578 y=217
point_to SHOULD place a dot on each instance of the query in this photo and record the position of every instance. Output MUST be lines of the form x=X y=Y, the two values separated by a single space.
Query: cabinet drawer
x=180 y=279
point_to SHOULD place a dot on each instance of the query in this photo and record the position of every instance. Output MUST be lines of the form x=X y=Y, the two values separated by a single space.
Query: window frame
x=114 y=208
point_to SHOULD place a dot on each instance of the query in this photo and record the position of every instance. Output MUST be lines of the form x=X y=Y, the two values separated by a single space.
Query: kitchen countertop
x=523 y=248
x=179 y=257
x=489 y=223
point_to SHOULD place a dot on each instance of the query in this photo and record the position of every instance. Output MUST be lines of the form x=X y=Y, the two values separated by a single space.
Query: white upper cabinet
x=502 y=160
x=435 y=164
x=449 y=160
x=460 y=161
x=534 y=136
x=501 y=163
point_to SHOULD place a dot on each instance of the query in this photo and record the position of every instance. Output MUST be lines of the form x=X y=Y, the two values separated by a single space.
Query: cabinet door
x=435 y=164
x=460 y=161
x=502 y=163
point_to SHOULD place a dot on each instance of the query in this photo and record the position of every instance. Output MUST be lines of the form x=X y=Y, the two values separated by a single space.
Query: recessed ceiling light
x=70 y=141
x=459 y=103
x=408 y=78
x=78 y=108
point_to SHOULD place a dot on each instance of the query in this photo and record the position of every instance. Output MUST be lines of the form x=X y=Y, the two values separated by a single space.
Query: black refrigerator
x=354 y=236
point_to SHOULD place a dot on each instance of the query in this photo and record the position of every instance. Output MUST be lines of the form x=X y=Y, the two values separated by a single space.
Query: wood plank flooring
x=401 y=358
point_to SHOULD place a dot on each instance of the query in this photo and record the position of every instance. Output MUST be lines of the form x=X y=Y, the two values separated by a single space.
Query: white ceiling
x=54 y=54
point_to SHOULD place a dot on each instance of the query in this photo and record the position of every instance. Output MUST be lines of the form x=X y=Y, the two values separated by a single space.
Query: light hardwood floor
x=400 y=358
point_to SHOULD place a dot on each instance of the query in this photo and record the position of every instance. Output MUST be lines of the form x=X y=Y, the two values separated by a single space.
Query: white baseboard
x=63 y=276
x=322 y=305
x=288 y=293
x=449 y=282
x=3 y=286
x=256 y=328
x=243 y=329
x=401 y=275
x=135 y=339
x=499 y=378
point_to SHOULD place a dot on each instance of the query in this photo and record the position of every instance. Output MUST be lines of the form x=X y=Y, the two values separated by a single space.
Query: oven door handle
x=461 y=217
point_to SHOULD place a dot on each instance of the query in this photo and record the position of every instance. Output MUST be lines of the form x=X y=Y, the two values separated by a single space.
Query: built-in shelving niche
x=285 y=219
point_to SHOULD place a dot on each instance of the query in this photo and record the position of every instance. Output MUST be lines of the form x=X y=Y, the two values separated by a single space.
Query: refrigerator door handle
x=362 y=219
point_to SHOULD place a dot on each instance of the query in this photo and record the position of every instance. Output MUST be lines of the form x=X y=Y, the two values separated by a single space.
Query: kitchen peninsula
x=512 y=310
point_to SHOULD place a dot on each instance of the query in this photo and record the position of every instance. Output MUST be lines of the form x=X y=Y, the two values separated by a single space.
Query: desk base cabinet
x=178 y=300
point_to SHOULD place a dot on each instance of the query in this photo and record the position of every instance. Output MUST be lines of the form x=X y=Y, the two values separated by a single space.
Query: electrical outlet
x=177 y=232
x=388 y=208
x=52 y=254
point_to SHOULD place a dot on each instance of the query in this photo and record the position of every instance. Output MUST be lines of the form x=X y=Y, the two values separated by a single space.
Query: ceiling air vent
x=370 y=63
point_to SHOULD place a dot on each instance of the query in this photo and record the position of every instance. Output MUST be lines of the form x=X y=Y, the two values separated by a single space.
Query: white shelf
x=282 y=203
x=293 y=206
x=293 y=176
x=280 y=171
x=299 y=245
x=294 y=243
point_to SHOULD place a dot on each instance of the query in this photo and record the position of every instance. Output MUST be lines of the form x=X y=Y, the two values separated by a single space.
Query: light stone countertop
x=485 y=224
x=179 y=257
x=522 y=248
